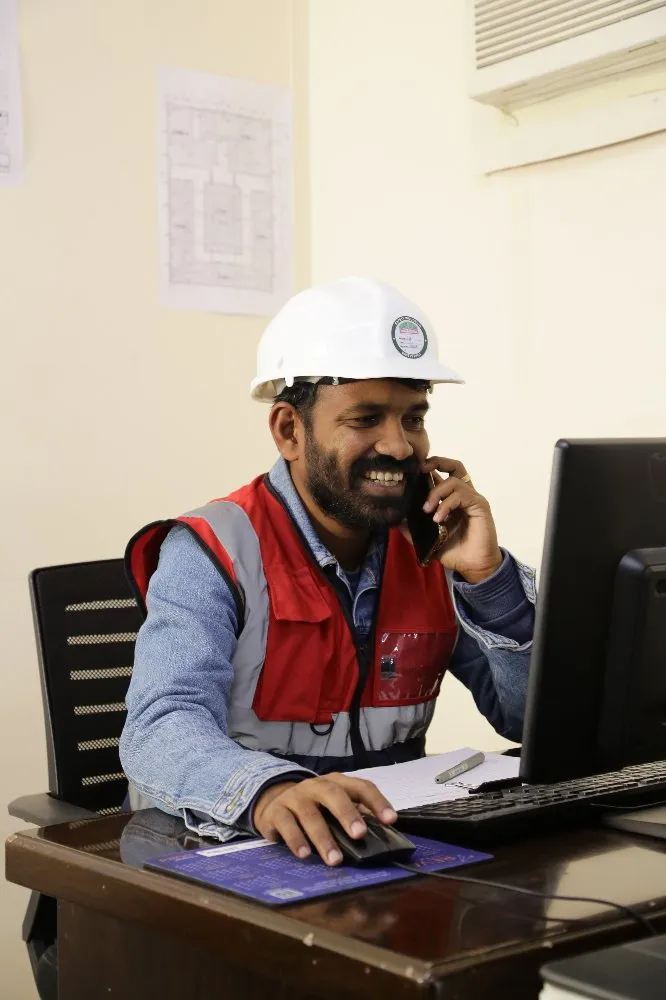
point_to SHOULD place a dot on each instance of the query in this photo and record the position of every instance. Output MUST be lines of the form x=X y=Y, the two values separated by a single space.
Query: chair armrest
x=46 y=810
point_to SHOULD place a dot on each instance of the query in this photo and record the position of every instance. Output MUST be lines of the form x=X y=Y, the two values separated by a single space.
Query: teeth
x=385 y=477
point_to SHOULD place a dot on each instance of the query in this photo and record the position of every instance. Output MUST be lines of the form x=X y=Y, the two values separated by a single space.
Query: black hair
x=303 y=395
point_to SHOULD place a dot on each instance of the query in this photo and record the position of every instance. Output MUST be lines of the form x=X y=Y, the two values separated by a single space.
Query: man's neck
x=348 y=545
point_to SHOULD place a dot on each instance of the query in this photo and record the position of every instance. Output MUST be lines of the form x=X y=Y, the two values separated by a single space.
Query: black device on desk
x=382 y=845
x=597 y=690
x=634 y=971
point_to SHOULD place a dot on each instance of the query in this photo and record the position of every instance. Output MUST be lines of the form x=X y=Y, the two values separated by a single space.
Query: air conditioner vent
x=505 y=29
x=527 y=51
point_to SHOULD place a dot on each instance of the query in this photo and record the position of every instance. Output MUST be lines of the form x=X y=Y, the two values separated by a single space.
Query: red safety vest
x=310 y=669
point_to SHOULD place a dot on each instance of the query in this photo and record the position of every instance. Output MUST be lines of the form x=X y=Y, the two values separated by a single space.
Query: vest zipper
x=364 y=661
x=363 y=657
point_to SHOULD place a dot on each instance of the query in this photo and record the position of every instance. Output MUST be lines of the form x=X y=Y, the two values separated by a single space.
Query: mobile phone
x=428 y=536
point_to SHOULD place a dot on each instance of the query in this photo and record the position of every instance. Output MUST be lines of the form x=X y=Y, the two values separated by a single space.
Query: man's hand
x=472 y=550
x=291 y=811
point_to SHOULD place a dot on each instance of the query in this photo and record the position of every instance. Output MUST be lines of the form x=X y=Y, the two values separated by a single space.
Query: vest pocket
x=410 y=666
x=299 y=651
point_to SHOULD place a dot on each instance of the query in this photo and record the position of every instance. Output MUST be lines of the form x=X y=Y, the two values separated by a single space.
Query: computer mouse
x=381 y=845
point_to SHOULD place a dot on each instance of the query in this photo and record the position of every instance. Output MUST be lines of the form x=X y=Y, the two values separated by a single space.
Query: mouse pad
x=268 y=872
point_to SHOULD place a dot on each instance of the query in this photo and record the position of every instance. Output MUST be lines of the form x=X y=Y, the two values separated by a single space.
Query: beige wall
x=547 y=284
x=114 y=410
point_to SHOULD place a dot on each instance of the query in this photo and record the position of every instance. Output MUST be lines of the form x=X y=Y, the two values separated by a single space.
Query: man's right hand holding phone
x=291 y=811
x=473 y=550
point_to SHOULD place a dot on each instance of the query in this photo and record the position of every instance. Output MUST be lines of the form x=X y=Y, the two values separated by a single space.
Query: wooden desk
x=128 y=933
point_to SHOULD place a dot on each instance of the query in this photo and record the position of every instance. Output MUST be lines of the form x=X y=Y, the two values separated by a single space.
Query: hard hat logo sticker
x=409 y=337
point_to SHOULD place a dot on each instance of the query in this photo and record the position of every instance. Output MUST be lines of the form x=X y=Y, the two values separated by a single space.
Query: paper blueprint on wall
x=225 y=193
x=11 y=123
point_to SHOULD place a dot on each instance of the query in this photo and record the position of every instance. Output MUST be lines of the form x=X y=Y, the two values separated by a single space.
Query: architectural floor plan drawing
x=11 y=125
x=225 y=197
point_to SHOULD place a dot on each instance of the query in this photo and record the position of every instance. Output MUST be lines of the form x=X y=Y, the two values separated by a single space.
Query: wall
x=546 y=284
x=114 y=410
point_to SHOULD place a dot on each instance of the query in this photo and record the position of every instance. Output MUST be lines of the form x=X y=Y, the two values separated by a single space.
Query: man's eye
x=415 y=422
x=368 y=421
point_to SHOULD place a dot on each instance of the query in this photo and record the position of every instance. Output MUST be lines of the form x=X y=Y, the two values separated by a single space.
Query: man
x=291 y=634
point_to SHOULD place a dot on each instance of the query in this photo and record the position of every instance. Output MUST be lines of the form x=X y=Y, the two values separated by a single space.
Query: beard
x=340 y=494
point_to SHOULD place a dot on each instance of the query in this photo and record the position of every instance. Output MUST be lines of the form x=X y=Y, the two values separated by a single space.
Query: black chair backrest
x=86 y=620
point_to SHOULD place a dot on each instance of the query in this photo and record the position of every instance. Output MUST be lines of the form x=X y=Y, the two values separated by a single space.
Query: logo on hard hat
x=409 y=337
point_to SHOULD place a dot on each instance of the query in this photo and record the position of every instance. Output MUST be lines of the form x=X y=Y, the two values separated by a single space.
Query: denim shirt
x=175 y=747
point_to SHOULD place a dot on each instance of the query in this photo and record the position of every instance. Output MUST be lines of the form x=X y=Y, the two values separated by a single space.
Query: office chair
x=86 y=621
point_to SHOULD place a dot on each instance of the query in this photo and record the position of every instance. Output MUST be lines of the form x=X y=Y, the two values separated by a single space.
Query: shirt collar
x=281 y=481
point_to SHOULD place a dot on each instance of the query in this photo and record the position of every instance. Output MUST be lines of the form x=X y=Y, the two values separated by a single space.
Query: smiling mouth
x=385 y=482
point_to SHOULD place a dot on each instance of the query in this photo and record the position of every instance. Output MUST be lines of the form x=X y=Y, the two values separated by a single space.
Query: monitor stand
x=649 y=821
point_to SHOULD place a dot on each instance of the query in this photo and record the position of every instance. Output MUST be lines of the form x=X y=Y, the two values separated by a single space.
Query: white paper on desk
x=11 y=120
x=413 y=783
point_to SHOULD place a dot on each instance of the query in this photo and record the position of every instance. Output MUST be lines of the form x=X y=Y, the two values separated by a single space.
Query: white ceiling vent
x=527 y=51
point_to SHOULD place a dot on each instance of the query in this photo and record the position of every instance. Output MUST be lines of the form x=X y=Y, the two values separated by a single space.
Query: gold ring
x=466 y=479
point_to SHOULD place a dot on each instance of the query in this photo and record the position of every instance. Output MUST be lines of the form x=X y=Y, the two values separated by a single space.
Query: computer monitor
x=597 y=690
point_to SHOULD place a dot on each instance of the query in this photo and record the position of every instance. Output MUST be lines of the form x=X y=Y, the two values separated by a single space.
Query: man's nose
x=394 y=443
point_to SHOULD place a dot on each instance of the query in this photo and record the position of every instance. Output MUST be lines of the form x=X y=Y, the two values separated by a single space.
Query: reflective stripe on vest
x=295 y=664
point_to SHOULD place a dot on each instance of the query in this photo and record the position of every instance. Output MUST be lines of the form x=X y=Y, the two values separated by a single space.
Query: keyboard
x=490 y=816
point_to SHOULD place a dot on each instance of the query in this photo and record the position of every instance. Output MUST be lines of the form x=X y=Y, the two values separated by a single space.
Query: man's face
x=364 y=445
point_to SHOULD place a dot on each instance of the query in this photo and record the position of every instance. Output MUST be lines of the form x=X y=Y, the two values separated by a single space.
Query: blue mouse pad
x=270 y=873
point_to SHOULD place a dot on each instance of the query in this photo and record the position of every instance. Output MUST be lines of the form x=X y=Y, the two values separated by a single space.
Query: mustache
x=409 y=467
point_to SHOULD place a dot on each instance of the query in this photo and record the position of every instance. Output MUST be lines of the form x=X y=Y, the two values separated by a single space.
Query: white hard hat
x=354 y=328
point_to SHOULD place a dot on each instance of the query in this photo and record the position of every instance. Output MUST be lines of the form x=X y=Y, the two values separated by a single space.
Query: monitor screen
x=607 y=500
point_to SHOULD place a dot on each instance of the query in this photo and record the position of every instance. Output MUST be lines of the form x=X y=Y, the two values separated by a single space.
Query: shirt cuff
x=245 y=821
x=494 y=597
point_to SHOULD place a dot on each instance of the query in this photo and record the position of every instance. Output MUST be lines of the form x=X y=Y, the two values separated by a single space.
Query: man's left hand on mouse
x=473 y=550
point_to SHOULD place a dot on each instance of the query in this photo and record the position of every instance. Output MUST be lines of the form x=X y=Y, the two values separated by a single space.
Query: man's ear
x=287 y=429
